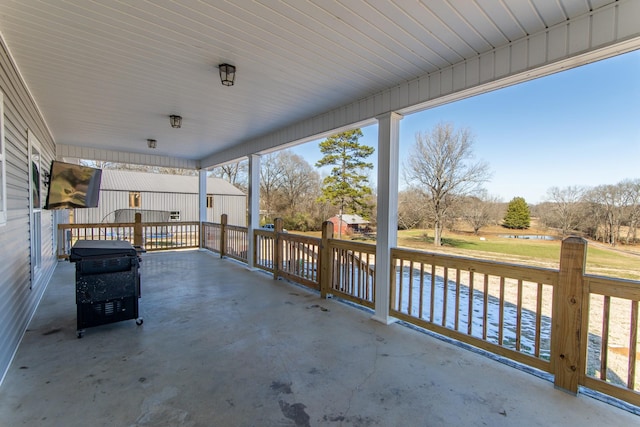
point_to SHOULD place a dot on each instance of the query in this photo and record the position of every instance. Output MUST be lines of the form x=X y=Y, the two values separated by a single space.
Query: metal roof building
x=174 y=195
x=119 y=180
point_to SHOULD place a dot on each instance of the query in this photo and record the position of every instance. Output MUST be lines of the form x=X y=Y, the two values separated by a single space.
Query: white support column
x=387 y=231
x=253 y=205
x=202 y=198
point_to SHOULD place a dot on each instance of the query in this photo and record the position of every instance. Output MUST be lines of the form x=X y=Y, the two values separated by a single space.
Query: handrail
x=612 y=357
x=155 y=236
x=236 y=242
x=299 y=261
x=211 y=236
x=478 y=302
x=264 y=249
x=353 y=271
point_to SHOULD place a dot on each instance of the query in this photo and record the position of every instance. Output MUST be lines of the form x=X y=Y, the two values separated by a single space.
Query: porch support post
x=202 y=202
x=387 y=215
x=253 y=208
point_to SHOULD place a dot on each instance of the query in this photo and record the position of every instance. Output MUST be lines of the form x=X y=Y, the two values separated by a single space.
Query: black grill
x=107 y=282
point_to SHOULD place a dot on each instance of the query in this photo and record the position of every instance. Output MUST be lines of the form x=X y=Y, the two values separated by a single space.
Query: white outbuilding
x=161 y=198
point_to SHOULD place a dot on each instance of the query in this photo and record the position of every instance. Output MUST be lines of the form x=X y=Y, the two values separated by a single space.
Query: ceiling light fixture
x=152 y=143
x=176 y=121
x=227 y=74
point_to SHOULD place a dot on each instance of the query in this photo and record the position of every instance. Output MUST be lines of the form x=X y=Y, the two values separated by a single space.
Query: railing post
x=393 y=269
x=223 y=235
x=326 y=259
x=137 y=230
x=201 y=235
x=567 y=353
x=59 y=241
x=277 y=249
x=254 y=247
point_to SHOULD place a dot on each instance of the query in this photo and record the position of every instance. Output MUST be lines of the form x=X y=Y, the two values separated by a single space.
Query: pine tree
x=347 y=187
x=518 y=215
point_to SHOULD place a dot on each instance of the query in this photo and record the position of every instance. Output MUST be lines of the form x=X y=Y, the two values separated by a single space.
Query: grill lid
x=101 y=248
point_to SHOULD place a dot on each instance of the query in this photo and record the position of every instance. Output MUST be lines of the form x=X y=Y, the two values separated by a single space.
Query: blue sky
x=579 y=127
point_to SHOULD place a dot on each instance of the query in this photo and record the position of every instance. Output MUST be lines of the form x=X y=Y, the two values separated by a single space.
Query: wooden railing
x=237 y=243
x=154 y=236
x=580 y=328
x=212 y=237
x=610 y=332
x=290 y=256
x=264 y=247
x=501 y=308
x=300 y=259
x=68 y=234
x=227 y=240
x=350 y=275
x=157 y=236
x=353 y=271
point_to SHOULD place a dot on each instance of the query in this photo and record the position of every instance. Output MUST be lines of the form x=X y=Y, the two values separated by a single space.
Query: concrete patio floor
x=225 y=346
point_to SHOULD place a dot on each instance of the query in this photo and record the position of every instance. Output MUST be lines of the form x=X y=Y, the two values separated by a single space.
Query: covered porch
x=222 y=345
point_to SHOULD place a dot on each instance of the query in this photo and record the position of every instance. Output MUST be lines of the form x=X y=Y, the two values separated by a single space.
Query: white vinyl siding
x=3 y=168
x=163 y=194
x=20 y=290
x=234 y=206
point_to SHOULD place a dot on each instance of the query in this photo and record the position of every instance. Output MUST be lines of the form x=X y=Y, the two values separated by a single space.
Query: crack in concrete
x=366 y=378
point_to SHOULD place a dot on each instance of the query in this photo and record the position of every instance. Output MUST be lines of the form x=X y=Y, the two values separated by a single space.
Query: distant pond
x=528 y=236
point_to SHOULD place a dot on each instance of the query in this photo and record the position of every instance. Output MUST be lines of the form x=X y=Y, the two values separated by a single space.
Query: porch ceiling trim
x=597 y=35
x=64 y=151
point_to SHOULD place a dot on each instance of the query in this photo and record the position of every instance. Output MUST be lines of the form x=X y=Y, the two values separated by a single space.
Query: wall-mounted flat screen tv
x=73 y=186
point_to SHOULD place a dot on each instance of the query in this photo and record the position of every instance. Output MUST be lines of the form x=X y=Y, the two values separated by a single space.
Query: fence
x=153 y=236
x=582 y=329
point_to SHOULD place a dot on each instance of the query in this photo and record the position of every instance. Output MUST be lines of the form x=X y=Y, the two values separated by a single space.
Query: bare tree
x=271 y=171
x=298 y=181
x=442 y=163
x=631 y=189
x=138 y=168
x=234 y=173
x=607 y=204
x=100 y=164
x=413 y=208
x=479 y=211
x=566 y=212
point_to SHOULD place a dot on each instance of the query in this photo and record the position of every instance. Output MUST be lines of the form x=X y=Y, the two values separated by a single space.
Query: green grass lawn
x=539 y=249
x=601 y=260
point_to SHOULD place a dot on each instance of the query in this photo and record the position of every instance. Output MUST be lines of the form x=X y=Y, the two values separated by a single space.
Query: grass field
x=621 y=261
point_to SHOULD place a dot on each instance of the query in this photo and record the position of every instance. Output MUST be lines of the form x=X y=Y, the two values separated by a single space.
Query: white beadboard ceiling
x=108 y=73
